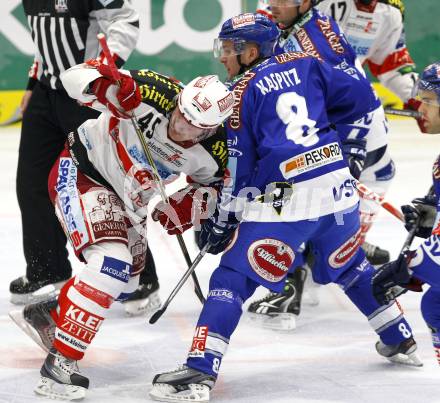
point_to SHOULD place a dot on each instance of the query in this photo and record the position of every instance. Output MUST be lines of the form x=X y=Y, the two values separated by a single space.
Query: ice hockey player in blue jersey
x=289 y=183
x=305 y=28
x=413 y=269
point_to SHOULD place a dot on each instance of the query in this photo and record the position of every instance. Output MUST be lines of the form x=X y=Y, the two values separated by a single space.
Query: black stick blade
x=156 y=315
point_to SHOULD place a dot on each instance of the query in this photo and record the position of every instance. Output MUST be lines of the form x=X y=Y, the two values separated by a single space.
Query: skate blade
x=42 y=294
x=53 y=390
x=18 y=318
x=143 y=306
x=281 y=321
x=163 y=392
x=411 y=359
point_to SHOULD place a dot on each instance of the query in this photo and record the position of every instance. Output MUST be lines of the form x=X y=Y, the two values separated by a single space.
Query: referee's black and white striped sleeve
x=120 y=22
x=66 y=37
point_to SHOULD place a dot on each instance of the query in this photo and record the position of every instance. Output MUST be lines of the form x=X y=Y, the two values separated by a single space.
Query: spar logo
x=67 y=201
x=270 y=259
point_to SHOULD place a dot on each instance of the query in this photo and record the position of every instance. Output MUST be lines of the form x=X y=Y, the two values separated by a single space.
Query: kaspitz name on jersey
x=278 y=81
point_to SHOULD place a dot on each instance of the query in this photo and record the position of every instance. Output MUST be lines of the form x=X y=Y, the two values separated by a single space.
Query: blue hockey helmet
x=247 y=28
x=429 y=80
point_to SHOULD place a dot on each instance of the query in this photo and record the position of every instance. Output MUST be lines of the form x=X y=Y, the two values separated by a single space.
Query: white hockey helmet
x=206 y=102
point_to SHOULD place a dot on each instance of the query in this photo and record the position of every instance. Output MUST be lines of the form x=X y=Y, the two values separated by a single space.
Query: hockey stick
x=403 y=112
x=368 y=194
x=156 y=176
x=154 y=318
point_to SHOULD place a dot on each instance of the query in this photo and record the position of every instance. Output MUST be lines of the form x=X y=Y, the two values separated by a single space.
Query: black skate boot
x=279 y=311
x=145 y=299
x=60 y=378
x=36 y=322
x=24 y=291
x=403 y=353
x=375 y=255
x=182 y=385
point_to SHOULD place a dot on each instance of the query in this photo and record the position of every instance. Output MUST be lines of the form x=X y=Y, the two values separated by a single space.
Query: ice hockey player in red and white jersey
x=375 y=29
x=101 y=185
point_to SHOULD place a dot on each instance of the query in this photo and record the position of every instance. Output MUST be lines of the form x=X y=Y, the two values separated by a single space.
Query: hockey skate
x=23 y=291
x=403 y=353
x=60 y=378
x=279 y=311
x=144 y=300
x=36 y=322
x=182 y=385
x=375 y=255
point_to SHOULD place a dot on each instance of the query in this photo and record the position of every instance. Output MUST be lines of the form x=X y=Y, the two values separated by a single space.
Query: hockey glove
x=355 y=153
x=217 y=233
x=187 y=207
x=413 y=105
x=390 y=280
x=421 y=215
x=119 y=97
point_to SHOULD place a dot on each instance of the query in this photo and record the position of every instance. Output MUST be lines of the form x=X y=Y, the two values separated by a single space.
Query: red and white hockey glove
x=413 y=105
x=187 y=207
x=119 y=97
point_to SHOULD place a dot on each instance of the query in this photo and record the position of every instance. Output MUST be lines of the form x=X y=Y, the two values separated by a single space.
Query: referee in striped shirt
x=64 y=34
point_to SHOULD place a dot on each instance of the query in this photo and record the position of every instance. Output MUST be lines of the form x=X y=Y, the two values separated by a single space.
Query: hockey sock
x=82 y=310
x=219 y=318
x=84 y=302
x=387 y=320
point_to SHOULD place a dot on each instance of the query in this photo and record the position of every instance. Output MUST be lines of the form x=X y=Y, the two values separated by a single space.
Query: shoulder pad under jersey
x=157 y=90
x=216 y=146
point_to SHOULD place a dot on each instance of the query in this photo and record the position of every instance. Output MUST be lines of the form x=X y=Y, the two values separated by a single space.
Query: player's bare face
x=180 y=130
x=430 y=110
x=229 y=59
x=284 y=12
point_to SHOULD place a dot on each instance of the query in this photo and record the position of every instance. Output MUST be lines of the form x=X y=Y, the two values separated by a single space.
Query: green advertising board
x=176 y=36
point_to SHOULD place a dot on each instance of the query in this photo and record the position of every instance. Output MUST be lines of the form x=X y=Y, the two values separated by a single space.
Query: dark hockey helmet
x=429 y=80
x=247 y=28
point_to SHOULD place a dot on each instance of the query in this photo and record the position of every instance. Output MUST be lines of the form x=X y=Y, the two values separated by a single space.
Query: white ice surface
x=329 y=358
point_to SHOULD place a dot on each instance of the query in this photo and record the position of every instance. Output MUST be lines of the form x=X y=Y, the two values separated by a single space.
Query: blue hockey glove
x=390 y=280
x=216 y=233
x=355 y=153
x=421 y=214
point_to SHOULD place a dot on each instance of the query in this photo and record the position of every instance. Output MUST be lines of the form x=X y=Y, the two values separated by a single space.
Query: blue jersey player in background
x=304 y=28
x=422 y=265
x=289 y=184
